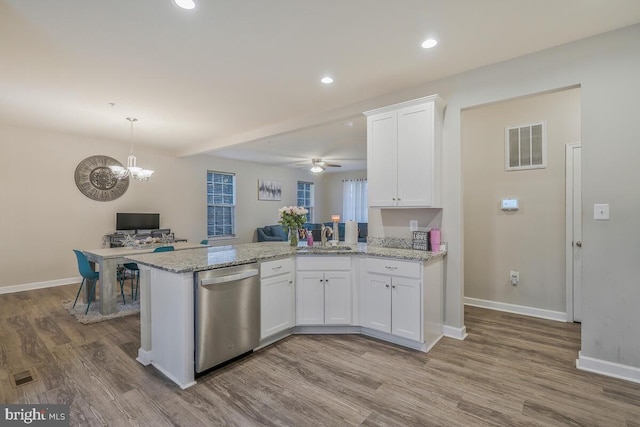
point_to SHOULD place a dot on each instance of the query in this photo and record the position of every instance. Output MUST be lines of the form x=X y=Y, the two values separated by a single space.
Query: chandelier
x=132 y=168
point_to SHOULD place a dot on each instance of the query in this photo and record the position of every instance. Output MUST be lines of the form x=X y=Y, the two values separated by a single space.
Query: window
x=354 y=200
x=526 y=147
x=221 y=204
x=305 y=198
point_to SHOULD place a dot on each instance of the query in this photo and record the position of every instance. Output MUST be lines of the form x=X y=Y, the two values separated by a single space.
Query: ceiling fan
x=317 y=165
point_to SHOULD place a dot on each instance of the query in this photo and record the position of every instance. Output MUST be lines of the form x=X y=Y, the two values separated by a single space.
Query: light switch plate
x=601 y=211
x=413 y=225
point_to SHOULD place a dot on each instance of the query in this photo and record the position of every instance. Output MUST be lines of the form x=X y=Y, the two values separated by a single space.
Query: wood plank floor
x=510 y=371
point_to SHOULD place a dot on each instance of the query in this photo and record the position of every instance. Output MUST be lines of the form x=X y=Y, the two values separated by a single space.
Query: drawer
x=275 y=268
x=393 y=267
x=323 y=263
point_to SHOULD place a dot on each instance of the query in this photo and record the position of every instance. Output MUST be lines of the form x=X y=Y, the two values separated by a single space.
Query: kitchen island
x=167 y=294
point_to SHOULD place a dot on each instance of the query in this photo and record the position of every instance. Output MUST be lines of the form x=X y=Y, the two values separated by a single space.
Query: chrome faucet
x=323 y=234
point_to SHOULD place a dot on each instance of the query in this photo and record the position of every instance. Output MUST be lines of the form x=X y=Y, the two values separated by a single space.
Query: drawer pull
x=389 y=267
x=276 y=268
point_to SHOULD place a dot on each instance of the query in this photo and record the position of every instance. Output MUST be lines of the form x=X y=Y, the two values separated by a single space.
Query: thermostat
x=509 y=204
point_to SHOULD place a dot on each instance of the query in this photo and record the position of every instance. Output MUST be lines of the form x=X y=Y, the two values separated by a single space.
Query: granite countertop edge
x=211 y=258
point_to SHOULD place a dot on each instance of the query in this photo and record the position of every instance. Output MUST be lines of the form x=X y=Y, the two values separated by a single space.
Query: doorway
x=529 y=241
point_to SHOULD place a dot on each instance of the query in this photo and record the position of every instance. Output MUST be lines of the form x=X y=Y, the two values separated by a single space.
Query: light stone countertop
x=210 y=258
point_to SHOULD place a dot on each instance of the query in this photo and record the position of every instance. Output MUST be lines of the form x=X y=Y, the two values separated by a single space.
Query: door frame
x=569 y=226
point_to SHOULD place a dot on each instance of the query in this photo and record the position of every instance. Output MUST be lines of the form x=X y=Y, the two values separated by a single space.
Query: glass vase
x=293 y=236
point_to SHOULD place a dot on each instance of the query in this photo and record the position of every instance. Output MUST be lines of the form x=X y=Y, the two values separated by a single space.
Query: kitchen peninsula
x=387 y=293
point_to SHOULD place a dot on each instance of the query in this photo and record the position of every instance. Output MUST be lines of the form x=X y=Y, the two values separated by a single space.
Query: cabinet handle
x=291 y=282
x=393 y=198
x=393 y=286
x=276 y=268
x=390 y=267
x=387 y=285
x=321 y=280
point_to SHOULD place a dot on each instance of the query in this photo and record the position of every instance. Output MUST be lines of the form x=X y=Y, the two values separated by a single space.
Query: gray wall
x=329 y=200
x=606 y=67
x=530 y=240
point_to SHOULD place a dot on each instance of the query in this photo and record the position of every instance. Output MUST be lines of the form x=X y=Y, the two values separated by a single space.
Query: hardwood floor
x=510 y=371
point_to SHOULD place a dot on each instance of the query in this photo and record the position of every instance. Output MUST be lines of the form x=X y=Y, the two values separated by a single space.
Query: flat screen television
x=137 y=221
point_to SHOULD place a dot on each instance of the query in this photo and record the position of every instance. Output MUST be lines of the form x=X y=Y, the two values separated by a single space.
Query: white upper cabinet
x=404 y=149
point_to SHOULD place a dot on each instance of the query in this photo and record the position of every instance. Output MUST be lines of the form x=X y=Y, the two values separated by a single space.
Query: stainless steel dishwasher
x=227 y=314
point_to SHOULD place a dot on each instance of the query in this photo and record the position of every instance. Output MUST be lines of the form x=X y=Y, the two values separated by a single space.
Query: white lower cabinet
x=393 y=300
x=323 y=291
x=393 y=303
x=277 y=297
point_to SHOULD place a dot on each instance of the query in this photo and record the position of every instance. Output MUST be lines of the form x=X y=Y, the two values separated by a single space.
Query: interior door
x=577 y=234
x=574 y=231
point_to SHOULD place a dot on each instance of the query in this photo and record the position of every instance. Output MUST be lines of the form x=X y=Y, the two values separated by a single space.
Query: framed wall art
x=269 y=190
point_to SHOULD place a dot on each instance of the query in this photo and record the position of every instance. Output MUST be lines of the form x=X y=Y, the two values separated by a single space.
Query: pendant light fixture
x=132 y=168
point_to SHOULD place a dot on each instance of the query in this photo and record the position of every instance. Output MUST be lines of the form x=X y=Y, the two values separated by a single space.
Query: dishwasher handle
x=228 y=278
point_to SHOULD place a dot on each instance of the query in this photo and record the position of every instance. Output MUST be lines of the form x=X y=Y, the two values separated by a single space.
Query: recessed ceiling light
x=327 y=80
x=429 y=43
x=185 y=4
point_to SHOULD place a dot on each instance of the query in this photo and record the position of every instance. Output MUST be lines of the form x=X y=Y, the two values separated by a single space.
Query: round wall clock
x=96 y=181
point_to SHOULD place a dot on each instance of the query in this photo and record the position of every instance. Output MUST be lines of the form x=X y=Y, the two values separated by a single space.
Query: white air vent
x=526 y=146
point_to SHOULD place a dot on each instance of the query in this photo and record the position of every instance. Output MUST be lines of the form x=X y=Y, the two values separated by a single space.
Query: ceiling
x=248 y=72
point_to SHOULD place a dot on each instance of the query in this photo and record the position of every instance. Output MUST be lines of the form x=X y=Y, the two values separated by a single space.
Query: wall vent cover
x=526 y=146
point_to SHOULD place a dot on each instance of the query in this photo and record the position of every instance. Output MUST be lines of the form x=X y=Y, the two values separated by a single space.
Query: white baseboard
x=39 y=285
x=517 y=309
x=455 y=333
x=610 y=369
x=144 y=357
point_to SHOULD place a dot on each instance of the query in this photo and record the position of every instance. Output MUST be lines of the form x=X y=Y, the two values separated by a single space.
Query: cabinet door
x=405 y=308
x=310 y=298
x=416 y=155
x=377 y=303
x=337 y=298
x=276 y=304
x=382 y=164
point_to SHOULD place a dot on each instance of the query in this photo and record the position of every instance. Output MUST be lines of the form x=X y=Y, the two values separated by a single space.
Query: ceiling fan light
x=316 y=169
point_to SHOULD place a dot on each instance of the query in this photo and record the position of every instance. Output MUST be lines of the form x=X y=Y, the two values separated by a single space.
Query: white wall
x=43 y=216
x=530 y=240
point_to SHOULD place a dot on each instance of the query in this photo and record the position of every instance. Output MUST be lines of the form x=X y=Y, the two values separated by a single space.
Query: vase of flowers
x=292 y=218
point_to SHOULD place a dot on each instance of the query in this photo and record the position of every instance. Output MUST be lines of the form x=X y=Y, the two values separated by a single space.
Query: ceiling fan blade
x=332 y=165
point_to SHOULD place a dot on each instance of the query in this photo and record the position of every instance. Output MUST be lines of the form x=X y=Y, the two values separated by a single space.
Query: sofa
x=271 y=233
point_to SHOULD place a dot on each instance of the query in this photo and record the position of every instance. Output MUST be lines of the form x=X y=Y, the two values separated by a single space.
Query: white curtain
x=354 y=200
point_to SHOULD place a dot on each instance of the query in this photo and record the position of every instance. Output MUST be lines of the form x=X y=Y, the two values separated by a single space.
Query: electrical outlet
x=413 y=225
x=514 y=277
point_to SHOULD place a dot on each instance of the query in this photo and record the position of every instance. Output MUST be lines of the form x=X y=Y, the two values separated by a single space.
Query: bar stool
x=135 y=272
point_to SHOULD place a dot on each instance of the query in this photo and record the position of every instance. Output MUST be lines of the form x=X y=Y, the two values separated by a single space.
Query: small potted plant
x=292 y=218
